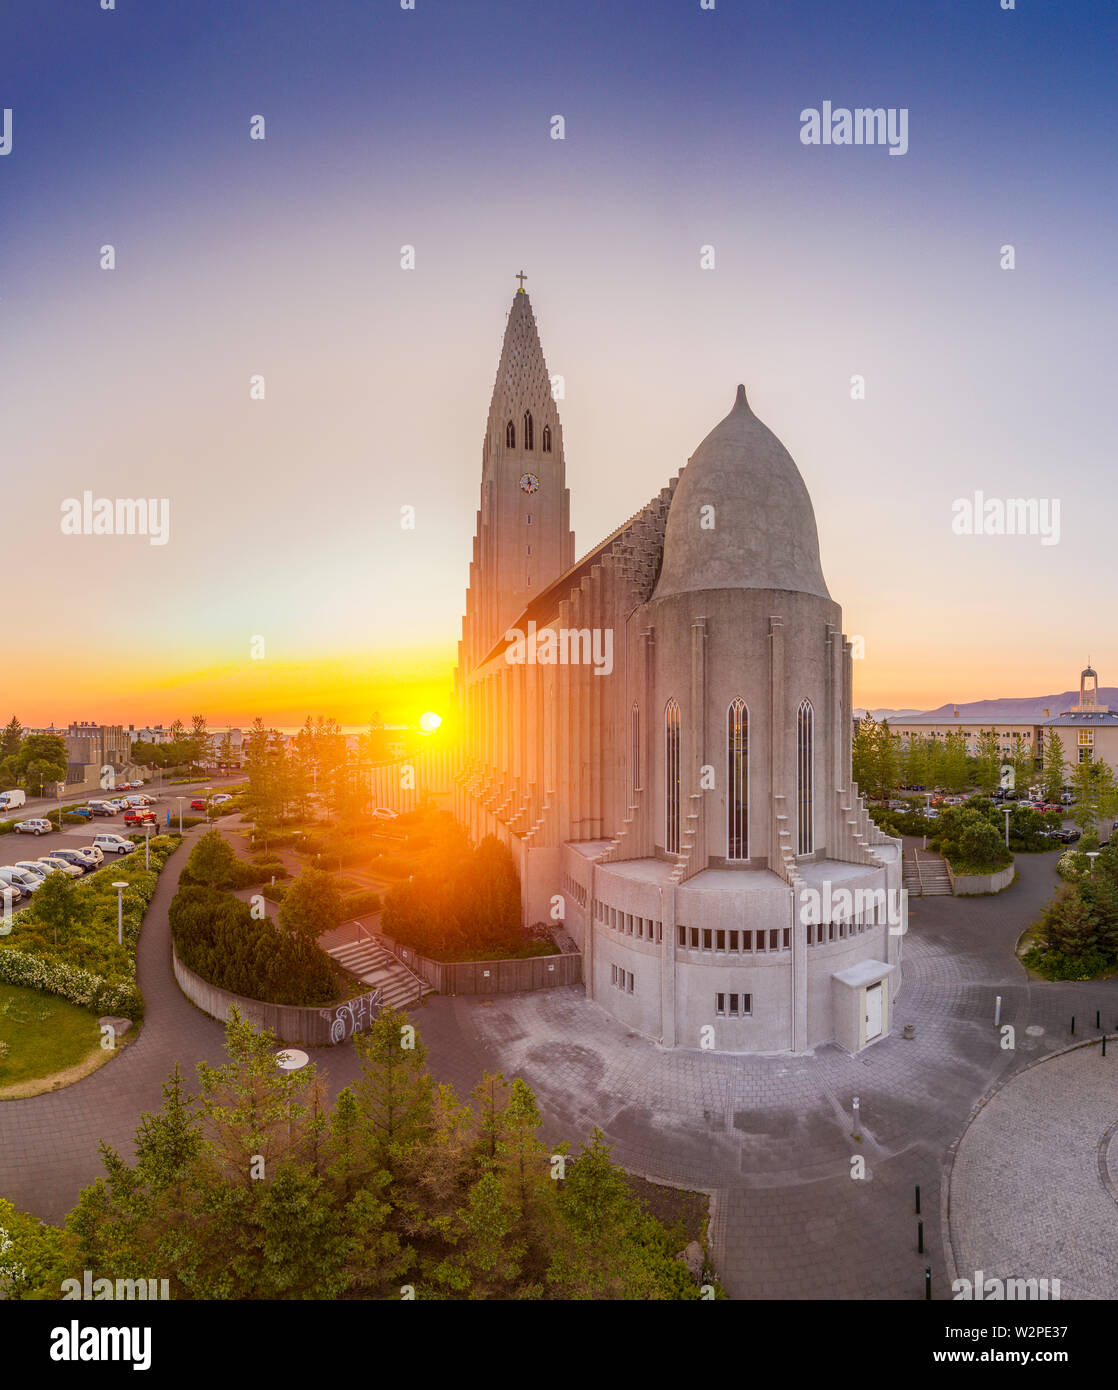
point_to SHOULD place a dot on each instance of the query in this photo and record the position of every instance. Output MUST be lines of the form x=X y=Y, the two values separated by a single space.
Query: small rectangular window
x=733 y=941
x=733 y=1006
x=719 y=1003
x=787 y=937
x=747 y=941
x=632 y=981
x=682 y=935
x=708 y=939
x=746 y=1005
x=659 y=931
x=772 y=939
x=695 y=938
x=719 y=940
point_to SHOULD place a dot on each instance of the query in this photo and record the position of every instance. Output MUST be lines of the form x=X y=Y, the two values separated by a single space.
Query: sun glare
x=429 y=722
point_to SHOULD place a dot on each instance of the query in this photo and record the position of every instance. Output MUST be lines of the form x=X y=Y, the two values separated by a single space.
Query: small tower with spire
x=1089 y=692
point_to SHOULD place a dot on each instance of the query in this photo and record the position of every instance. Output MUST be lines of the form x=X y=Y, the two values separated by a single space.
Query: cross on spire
x=521 y=277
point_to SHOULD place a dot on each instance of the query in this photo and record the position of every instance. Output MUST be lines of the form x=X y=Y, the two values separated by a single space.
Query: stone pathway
x=1032 y=1186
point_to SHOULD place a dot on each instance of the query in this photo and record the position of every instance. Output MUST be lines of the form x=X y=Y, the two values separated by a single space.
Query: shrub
x=217 y=936
x=359 y=903
x=1055 y=965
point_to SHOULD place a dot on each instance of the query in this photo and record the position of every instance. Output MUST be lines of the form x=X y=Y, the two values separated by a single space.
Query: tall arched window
x=805 y=777
x=528 y=429
x=671 y=778
x=635 y=749
x=737 y=781
x=547 y=439
x=510 y=435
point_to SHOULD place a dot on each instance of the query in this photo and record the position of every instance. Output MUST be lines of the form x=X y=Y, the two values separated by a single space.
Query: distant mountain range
x=1027 y=708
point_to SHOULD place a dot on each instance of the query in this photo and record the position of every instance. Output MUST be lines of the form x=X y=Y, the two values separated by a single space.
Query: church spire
x=524 y=541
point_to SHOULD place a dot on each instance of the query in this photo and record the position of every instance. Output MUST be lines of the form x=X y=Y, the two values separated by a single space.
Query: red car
x=198 y=804
x=138 y=817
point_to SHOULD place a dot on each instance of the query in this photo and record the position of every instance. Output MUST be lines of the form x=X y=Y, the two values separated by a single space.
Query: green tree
x=1024 y=769
x=59 y=903
x=11 y=739
x=212 y=862
x=987 y=761
x=864 y=755
x=312 y=905
x=954 y=763
x=1055 y=766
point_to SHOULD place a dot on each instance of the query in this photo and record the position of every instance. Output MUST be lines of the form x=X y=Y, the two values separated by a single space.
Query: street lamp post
x=180 y=800
x=1007 y=815
x=147 y=844
x=120 y=887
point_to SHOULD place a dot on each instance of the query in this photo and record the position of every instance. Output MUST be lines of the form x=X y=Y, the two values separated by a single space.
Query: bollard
x=997 y=1010
x=1097 y=1015
x=1104 y=1044
x=1073 y=1025
x=928 y=1284
x=917 y=1199
x=857 y=1123
x=920 y=1237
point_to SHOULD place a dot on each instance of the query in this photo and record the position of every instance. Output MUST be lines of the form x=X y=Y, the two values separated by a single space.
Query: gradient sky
x=431 y=127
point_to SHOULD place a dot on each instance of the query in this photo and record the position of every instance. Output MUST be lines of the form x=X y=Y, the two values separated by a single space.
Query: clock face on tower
x=529 y=482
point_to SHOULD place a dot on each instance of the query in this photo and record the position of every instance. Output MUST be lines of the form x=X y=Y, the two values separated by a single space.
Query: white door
x=873 y=1012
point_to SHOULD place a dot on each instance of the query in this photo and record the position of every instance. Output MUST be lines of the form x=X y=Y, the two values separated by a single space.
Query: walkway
x=769 y=1137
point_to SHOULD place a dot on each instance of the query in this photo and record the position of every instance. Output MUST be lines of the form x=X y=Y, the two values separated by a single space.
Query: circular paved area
x=769 y=1137
x=1031 y=1189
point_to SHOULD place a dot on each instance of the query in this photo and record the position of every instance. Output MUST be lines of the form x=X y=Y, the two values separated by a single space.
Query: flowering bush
x=1072 y=865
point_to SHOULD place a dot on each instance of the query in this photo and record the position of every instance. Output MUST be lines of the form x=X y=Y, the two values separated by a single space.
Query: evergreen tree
x=11 y=739
x=1055 y=766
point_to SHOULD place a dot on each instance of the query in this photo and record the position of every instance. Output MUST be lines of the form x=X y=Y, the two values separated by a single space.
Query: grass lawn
x=42 y=1035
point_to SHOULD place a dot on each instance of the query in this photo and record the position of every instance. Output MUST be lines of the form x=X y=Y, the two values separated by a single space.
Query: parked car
x=382 y=813
x=220 y=800
x=140 y=800
x=1066 y=837
x=9 y=896
x=84 y=863
x=36 y=866
x=123 y=786
x=198 y=804
x=59 y=860
x=139 y=815
x=118 y=803
x=102 y=808
x=36 y=826
x=22 y=879
x=10 y=800
x=113 y=844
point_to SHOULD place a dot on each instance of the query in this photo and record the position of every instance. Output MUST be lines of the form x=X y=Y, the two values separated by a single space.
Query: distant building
x=1088 y=731
x=105 y=744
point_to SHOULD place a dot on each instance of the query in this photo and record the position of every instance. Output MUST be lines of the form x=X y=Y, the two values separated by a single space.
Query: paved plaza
x=772 y=1139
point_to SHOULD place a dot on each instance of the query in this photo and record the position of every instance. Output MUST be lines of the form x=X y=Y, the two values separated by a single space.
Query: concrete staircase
x=399 y=988
x=931 y=871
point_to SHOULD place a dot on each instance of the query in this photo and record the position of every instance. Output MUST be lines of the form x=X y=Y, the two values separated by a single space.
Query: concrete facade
x=662 y=736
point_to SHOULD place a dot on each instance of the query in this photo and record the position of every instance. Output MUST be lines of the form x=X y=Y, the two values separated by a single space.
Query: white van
x=22 y=879
x=113 y=844
x=10 y=800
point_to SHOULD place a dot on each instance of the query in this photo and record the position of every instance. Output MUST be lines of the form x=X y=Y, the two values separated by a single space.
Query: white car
x=118 y=803
x=217 y=800
x=113 y=844
x=22 y=879
x=92 y=853
x=37 y=866
x=63 y=865
x=34 y=827
x=382 y=813
x=140 y=801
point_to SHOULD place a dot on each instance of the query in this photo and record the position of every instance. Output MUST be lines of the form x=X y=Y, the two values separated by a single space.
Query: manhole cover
x=291 y=1059
x=1034 y=1030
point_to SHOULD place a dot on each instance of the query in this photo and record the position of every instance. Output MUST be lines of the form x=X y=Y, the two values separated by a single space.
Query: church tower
x=523 y=540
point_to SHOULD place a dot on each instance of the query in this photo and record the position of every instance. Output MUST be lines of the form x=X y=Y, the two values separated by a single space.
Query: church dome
x=762 y=532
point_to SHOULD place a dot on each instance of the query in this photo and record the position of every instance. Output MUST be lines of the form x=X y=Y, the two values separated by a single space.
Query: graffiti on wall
x=354 y=1016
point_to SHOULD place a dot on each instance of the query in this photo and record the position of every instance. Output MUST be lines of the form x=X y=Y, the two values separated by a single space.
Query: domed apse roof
x=763 y=534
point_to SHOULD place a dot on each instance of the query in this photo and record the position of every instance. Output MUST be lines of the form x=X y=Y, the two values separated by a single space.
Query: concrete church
x=661 y=733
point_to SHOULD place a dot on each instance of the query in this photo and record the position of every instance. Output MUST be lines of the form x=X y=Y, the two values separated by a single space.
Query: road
x=44 y=805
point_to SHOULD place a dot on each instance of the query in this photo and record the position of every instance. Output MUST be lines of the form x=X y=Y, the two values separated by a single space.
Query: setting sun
x=430 y=722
